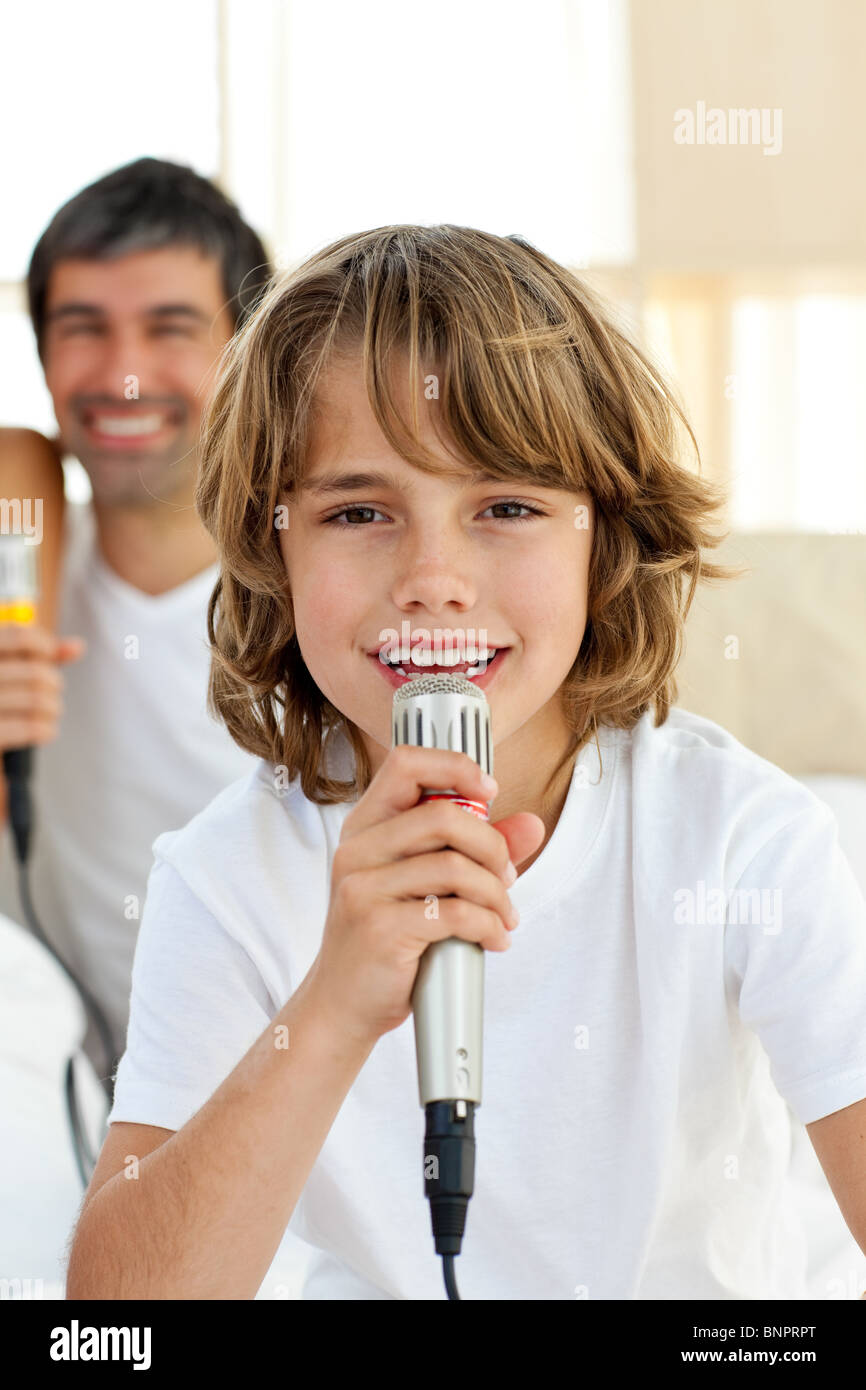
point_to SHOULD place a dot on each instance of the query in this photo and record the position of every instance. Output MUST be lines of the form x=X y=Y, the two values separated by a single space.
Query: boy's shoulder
x=261 y=813
x=692 y=741
x=695 y=764
x=253 y=837
x=684 y=729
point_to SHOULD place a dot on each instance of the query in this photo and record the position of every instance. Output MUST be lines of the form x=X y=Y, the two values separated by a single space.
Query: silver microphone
x=448 y=711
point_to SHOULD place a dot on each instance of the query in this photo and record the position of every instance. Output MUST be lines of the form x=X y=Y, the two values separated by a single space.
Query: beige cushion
x=796 y=691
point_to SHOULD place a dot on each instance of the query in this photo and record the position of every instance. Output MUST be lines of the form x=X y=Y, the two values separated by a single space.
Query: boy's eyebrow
x=363 y=482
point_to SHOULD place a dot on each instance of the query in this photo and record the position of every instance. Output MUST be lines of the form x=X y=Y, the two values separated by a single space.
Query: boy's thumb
x=524 y=833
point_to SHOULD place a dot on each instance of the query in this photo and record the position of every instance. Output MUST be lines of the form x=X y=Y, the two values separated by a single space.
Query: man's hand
x=31 y=687
x=30 y=683
x=31 y=476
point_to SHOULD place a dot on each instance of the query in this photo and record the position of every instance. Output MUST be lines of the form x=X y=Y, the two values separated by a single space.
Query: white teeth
x=470 y=672
x=456 y=659
x=480 y=668
x=125 y=425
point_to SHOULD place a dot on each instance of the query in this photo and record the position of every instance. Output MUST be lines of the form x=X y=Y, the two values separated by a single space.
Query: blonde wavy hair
x=536 y=381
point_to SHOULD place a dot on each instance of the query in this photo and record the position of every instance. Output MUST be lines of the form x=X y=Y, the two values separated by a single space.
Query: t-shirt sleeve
x=197 y=1005
x=795 y=961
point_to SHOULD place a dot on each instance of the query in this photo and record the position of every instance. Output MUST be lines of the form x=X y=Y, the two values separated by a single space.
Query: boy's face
x=132 y=344
x=439 y=554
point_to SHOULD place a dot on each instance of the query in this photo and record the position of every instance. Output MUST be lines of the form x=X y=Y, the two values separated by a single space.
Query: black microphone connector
x=449 y=1176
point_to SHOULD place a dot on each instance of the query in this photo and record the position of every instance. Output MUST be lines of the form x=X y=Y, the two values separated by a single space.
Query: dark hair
x=144 y=205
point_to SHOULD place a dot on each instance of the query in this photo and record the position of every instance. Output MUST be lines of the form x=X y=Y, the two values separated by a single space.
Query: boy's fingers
x=409 y=771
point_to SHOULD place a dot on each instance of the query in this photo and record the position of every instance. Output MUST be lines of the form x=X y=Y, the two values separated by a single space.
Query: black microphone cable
x=17 y=765
x=449 y=1180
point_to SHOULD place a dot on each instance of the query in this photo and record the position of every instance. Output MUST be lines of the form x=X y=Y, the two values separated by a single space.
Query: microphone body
x=448 y=711
x=31 y=481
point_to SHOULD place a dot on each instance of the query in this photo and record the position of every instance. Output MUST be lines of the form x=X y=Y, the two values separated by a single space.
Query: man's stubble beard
x=143 y=482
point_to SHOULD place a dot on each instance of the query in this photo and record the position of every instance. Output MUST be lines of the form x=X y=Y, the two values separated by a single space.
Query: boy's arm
x=210 y=1205
x=839 y=1140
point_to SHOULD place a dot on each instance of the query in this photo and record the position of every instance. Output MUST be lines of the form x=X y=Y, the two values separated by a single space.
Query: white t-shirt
x=41 y=1027
x=634 y=1135
x=136 y=754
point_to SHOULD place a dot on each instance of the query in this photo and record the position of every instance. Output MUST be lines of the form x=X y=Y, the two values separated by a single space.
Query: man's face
x=438 y=553
x=130 y=351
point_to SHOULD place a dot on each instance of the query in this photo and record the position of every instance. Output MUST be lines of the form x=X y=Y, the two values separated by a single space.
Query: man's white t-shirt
x=691 y=956
x=136 y=754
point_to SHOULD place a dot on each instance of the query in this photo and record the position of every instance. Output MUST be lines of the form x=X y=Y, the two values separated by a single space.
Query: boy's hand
x=392 y=856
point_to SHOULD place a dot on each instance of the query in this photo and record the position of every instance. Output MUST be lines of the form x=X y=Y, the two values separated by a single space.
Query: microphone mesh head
x=444 y=711
x=438 y=685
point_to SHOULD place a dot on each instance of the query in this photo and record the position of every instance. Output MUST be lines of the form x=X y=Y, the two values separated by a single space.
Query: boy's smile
x=396 y=678
x=417 y=654
x=453 y=560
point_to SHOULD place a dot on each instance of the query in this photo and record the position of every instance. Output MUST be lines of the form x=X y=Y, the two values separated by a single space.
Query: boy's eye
x=509 y=502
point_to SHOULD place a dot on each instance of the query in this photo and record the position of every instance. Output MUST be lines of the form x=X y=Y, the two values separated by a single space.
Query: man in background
x=134 y=289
